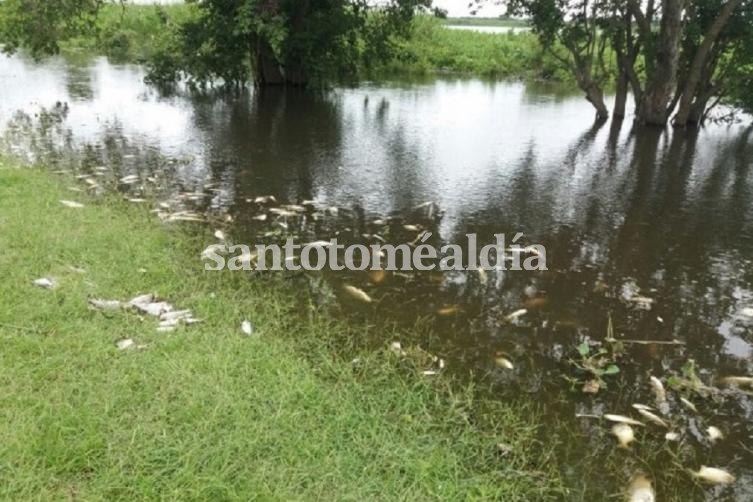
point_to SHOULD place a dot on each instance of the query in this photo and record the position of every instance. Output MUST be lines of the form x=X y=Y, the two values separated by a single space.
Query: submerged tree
x=287 y=41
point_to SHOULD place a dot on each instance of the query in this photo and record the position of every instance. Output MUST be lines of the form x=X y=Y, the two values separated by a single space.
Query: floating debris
x=45 y=282
x=640 y=490
x=714 y=475
x=651 y=417
x=624 y=434
x=714 y=434
x=621 y=419
x=107 y=305
x=357 y=294
x=71 y=204
x=247 y=328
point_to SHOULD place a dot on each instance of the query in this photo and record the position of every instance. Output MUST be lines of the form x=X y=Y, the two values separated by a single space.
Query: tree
x=39 y=25
x=290 y=42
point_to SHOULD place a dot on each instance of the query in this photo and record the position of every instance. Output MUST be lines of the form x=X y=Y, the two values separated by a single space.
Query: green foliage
x=40 y=25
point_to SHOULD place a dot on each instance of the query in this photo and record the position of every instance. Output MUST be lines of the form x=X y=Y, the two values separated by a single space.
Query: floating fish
x=624 y=434
x=129 y=180
x=689 y=405
x=411 y=228
x=653 y=418
x=71 y=204
x=265 y=199
x=357 y=294
x=503 y=362
x=620 y=419
x=108 y=305
x=714 y=475
x=283 y=212
x=640 y=490
x=219 y=235
x=672 y=436
x=714 y=434
x=737 y=380
x=449 y=310
x=294 y=207
x=142 y=299
x=516 y=315
x=247 y=328
x=642 y=407
x=260 y=217
x=45 y=282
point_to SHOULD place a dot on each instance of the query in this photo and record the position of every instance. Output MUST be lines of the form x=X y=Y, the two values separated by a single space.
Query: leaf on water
x=651 y=417
x=714 y=475
x=584 y=349
x=624 y=434
x=357 y=294
x=45 y=282
x=71 y=204
x=621 y=419
x=247 y=328
x=640 y=490
x=107 y=305
x=714 y=434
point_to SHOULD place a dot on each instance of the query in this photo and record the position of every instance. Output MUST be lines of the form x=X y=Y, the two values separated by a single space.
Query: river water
x=650 y=229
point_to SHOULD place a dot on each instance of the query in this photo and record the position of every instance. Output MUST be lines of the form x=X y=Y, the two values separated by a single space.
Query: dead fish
x=411 y=228
x=624 y=434
x=672 y=436
x=357 y=294
x=640 y=490
x=108 y=305
x=129 y=180
x=142 y=299
x=503 y=362
x=738 y=380
x=154 y=309
x=319 y=244
x=377 y=276
x=397 y=348
x=714 y=434
x=714 y=475
x=165 y=329
x=185 y=217
x=429 y=372
x=449 y=310
x=658 y=388
x=483 y=277
x=689 y=405
x=219 y=235
x=260 y=217
x=642 y=407
x=621 y=419
x=265 y=199
x=294 y=207
x=137 y=201
x=71 y=204
x=283 y=212
x=45 y=282
x=125 y=344
x=176 y=315
x=651 y=417
x=516 y=315
x=247 y=328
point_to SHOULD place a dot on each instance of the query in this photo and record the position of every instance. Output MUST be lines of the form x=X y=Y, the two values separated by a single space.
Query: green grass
x=206 y=413
x=502 y=22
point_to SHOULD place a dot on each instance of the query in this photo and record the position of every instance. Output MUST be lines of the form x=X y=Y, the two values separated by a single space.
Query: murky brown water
x=653 y=229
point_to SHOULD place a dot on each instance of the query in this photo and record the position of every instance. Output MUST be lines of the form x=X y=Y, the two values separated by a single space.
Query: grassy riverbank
x=206 y=412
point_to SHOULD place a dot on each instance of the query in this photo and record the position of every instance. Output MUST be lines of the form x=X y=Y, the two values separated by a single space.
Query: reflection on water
x=653 y=229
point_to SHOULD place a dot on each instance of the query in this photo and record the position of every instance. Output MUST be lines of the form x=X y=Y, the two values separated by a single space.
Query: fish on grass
x=106 y=305
x=503 y=362
x=45 y=283
x=621 y=419
x=658 y=387
x=449 y=310
x=357 y=294
x=714 y=434
x=714 y=475
x=652 y=417
x=247 y=328
x=516 y=315
x=72 y=204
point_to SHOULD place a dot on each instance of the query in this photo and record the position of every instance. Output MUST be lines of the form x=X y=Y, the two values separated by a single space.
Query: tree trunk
x=654 y=104
x=700 y=61
x=266 y=67
x=595 y=96
x=620 y=98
